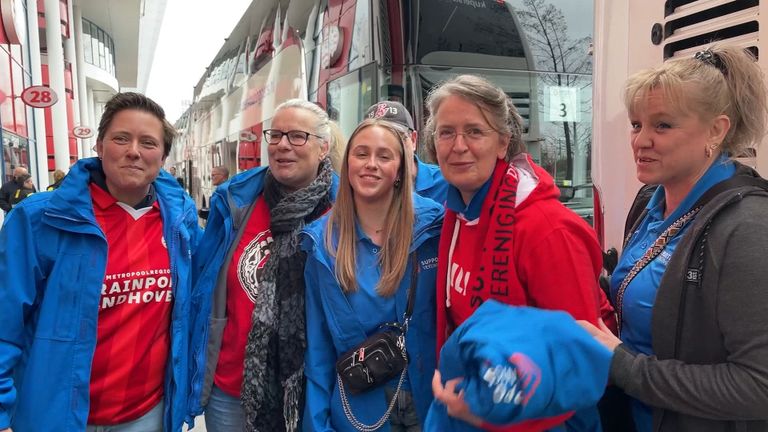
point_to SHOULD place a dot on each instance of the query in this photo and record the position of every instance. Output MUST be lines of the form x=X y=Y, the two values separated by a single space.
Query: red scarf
x=494 y=275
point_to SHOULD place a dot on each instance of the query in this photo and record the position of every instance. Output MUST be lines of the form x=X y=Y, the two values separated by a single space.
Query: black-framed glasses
x=295 y=137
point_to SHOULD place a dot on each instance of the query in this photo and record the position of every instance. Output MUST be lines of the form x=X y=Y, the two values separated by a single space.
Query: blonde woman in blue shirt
x=358 y=273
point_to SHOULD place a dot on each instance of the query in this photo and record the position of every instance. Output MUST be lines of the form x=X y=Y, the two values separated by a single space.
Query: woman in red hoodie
x=506 y=236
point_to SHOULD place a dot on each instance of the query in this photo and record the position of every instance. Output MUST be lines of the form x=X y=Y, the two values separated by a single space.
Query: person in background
x=506 y=236
x=58 y=177
x=427 y=179
x=689 y=288
x=12 y=190
x=359 y=272
x=95 y=305
x=180 y=180
x=337 y=146
x=27 y=188
x=219 y=174
x=250 y=277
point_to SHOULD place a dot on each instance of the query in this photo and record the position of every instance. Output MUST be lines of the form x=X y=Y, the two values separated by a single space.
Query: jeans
x=224 y=413
x=149 y=422
x=404 y=417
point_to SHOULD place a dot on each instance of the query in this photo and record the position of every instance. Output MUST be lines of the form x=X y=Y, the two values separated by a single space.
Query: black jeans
x=403 y=417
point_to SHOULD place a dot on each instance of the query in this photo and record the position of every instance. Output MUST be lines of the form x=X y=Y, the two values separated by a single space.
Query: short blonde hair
x=730 y=83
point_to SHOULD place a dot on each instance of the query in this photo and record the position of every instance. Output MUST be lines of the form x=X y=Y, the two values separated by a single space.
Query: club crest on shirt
x=251 y=263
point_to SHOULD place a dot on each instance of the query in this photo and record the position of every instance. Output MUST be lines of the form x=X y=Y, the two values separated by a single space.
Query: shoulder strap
x=731 y=183
x=412 y=288
x=695 y=271
x=637 y=211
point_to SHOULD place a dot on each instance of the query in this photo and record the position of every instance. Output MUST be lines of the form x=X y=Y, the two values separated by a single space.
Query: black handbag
x=376 y=361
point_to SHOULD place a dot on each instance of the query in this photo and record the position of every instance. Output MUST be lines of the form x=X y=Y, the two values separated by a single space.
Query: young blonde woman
x=359 y=271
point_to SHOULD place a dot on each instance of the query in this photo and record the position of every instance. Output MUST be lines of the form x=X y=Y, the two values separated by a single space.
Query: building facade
x=83 y=51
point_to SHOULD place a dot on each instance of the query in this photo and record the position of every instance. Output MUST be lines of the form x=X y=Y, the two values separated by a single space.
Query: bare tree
x=554 y=50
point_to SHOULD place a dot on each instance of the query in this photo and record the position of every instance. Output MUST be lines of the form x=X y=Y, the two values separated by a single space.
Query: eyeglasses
x=471 y=134
x=295 y=137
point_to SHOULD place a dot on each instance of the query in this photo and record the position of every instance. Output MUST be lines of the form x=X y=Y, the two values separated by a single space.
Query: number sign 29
x=39 y=96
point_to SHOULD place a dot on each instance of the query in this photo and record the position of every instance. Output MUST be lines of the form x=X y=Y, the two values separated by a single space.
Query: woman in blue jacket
x=95 y=288
x=358 y=274
x=250 y=278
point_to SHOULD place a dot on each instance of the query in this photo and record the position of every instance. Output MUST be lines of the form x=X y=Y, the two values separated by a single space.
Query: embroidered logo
x=513 y=383
x=429 y=263
x=381 y=110
x=251 y=263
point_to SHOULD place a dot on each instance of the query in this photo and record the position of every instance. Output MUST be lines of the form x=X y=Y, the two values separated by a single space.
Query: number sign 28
x=39 y=96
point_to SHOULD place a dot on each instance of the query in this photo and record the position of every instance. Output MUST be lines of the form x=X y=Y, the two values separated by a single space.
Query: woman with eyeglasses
x=375 y=249
x=250 y=278
x=506 y=236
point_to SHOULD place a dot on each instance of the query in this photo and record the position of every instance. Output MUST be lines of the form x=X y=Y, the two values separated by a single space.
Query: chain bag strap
x=403 y=329
x=650 y=255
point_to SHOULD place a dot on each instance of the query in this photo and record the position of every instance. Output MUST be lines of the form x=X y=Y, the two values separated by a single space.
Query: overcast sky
x=191 y=35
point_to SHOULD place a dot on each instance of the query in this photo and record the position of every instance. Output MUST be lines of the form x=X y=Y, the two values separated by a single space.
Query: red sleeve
x=607 y=313
x=537 y=425
x=560 y=271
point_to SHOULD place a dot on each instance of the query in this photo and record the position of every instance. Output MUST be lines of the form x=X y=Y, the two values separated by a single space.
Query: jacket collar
x=72 y=200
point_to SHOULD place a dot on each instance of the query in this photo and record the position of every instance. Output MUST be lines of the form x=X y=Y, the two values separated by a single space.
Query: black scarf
x=273 y=381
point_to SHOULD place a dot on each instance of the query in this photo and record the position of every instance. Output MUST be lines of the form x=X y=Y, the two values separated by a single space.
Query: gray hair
x=495 y=106
x=322 y=127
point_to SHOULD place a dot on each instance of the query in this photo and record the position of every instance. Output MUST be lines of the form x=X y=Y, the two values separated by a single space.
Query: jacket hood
x=543 y=185
x=72 y=200
x=725 y=199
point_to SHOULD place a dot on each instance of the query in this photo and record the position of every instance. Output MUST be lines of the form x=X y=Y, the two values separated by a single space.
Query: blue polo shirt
x=470 y=211
x=640 y=295
x=429 y=182
x=370 y=307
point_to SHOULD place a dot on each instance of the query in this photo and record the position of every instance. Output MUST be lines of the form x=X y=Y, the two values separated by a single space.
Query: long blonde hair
x=336 y=148
x=398 y=225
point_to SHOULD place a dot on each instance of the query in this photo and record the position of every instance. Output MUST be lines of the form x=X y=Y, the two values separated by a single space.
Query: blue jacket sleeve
x=321 y=356
x=20 y=276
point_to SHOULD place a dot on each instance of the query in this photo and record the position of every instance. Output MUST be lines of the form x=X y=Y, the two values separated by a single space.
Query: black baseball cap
x=392 y=111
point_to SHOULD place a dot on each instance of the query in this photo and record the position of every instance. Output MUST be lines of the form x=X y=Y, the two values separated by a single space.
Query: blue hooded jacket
x=52 y=265
x=229 y=208
x=430 y=182
x=335 y=327
x=520 y=363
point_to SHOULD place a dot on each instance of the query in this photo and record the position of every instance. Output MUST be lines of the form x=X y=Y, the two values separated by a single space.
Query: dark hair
x=136 y=101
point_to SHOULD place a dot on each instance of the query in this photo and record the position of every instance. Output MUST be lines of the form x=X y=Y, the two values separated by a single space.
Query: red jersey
x=133 y=340
x=243 y=277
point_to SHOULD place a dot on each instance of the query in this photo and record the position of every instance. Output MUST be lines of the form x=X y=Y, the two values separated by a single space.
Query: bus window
x=350 y=95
